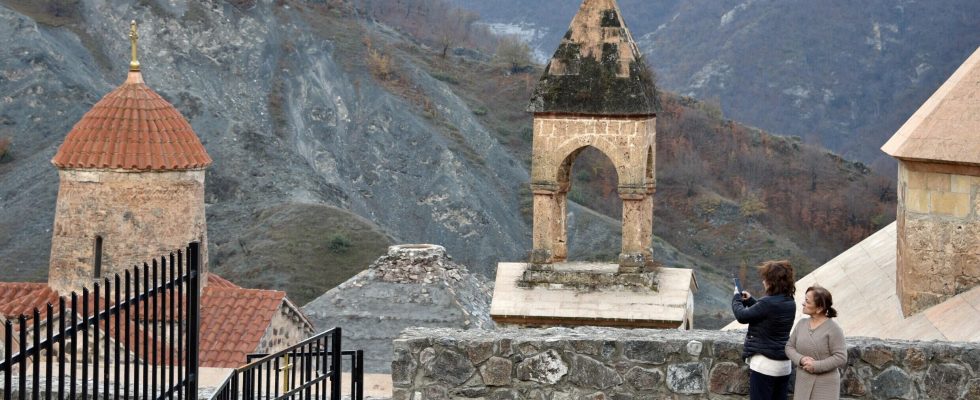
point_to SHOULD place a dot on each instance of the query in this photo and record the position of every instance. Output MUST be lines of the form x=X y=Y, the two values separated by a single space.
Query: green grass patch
x=304 y=249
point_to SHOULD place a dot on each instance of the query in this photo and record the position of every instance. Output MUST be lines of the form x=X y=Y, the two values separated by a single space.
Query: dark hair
x=823 y=299
x=779 y=276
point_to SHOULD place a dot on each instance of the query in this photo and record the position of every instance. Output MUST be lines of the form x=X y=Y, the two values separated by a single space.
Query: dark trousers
x=765 y=387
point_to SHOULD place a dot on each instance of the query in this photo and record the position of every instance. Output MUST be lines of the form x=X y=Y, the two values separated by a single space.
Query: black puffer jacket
x=770 y=320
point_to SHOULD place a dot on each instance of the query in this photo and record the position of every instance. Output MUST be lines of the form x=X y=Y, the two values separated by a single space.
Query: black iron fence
x=309 y=370
x=134 y=336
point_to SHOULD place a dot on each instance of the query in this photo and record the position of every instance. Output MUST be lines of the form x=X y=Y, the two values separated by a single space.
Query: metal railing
x=136 y=341
x=311 y=369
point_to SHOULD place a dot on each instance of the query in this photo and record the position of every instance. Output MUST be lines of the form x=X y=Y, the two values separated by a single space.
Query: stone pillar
x=636 y=203
x=559 y=246
x=546 y=221
x=647 y=227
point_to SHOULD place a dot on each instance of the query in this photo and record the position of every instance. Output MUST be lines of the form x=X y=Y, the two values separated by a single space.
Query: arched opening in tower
x=594 y=234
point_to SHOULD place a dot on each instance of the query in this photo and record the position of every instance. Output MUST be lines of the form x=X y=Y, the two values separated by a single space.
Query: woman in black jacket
x=770 y=321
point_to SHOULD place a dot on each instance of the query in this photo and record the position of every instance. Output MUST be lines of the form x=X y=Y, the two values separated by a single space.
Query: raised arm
x=750 y=311
x=838 y=351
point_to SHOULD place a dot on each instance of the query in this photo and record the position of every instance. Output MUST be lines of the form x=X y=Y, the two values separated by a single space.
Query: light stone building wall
x=628 y=142
x=938 y=229
x=287 y=328
x=139 y=215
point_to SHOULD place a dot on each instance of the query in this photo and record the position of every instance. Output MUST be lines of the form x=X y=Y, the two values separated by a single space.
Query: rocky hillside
x=335 y=133
x=282 y=98
x=840 y=73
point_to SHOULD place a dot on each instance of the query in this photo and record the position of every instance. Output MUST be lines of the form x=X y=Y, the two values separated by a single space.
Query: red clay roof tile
x=216 y=281
x=18 y=298
x=233 y=321
x=132 y=127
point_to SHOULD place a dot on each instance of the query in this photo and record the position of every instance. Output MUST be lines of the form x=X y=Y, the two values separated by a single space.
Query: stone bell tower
x=132 y=186
x=595 y=92
x=938 y=153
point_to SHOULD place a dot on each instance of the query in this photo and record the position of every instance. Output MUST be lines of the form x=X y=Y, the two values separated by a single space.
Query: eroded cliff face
x=287 y=116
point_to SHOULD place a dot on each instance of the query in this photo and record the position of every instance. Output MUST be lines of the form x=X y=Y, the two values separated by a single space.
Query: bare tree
x=514 y=52
x=456 y=28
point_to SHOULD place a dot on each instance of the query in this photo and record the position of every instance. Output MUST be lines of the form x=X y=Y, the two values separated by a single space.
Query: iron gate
x=137 y=334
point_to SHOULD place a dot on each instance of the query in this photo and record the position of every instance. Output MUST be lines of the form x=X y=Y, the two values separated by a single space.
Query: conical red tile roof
x=132 y=128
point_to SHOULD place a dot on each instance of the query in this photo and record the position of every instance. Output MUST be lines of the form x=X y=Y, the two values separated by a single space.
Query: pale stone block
x=914 y=180
x=941 y=182
x=955 y=204
x=963 y=183
x=972 y=297
x=917 y=201
x=949 y=316
x=929 y=180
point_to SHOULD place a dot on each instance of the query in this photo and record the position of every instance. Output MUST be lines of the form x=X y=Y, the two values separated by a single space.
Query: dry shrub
x=381 y=64
x=5 y=143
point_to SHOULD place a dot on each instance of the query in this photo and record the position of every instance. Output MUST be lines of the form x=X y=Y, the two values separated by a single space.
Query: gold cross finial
x=134 y=64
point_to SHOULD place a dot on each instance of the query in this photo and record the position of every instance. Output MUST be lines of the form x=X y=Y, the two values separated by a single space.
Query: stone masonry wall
x=286 y=329
x=598 y=363
x=629 y=143
x=626 y=141
x=139 y=216
x=938 y=230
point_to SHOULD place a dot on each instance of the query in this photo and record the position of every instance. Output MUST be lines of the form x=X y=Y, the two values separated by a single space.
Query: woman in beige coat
x=817 y=348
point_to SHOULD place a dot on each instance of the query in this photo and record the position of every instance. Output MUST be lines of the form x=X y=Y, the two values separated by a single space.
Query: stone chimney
x=595 y=92
x=938 y=153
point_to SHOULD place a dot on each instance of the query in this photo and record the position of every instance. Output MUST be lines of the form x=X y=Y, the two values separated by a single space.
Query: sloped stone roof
x=597 y=69
x=413 y=285
x=946 y=128
x=132 y=128
x=862 y=282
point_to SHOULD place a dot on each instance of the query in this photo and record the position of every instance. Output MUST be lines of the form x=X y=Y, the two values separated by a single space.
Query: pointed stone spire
x=134 y=64
x=597 y=68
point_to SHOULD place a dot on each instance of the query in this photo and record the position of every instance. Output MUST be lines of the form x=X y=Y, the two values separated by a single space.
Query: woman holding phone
x=770 y=320
x=817 y=348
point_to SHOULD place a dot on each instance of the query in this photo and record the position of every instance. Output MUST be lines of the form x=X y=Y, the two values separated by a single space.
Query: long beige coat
x=826 y=345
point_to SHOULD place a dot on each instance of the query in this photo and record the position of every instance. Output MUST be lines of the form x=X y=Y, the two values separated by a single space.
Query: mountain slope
x=327 y=125
x=843 y=74
x=286 y=121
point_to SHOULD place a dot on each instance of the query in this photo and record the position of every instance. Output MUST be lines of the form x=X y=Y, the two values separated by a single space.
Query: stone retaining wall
x=598 y=363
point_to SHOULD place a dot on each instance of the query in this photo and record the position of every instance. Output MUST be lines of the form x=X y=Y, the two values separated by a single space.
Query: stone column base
x=633 y=263
x=541 y=256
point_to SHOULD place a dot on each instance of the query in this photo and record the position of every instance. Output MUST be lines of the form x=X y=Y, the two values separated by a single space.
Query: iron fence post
x=8 y=347
x=193 y=320
x=335 y=365
x=357 y=374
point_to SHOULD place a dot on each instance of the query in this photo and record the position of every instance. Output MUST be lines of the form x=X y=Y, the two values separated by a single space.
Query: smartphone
x=738 y=284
